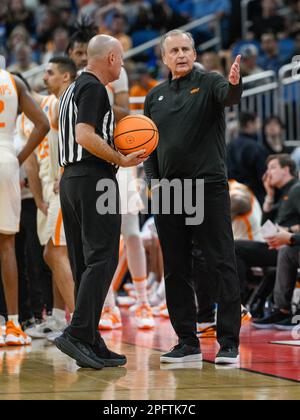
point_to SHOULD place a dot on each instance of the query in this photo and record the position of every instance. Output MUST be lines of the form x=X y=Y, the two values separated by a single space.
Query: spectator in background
x=19 y=35
x=49 y=21
x=67 y=16
x=246 y=157
x=58 y=46
x=118 y=30
x=23 y=59
x=142 y=84
x=273 y=136
x=139 y=14
x=103 y=16
x=268 y=20
x=165 y=16
x=211 y=62
x=220 y=8
x=105 y=7
x=19 y=14
x=249 y=60
x=3 y=28
x=270 y=58
x=293 y=18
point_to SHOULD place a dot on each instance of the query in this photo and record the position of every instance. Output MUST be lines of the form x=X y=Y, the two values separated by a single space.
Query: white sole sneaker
x=227 y=360
x=263 y=327
x=185 y=359
x=187 y=365
x=145 y=324
x=12 y=340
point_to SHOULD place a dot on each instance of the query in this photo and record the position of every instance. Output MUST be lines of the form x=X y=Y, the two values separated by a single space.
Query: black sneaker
x=78 y=350
x=270 y=321
x=182 y=353
x=108 y=357
x=288 y=324
x=228 y=356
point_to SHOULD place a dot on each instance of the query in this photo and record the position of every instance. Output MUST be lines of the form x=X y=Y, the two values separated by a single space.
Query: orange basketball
x=136 y=132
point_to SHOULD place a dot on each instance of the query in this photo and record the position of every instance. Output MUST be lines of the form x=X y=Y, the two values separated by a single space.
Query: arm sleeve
x=91 y=102
x=151 y=165
x=224 y=92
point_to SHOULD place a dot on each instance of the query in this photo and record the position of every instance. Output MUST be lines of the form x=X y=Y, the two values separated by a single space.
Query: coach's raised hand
x=235 y=71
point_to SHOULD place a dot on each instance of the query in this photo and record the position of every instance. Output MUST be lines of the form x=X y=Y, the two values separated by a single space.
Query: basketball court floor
x=267 y=371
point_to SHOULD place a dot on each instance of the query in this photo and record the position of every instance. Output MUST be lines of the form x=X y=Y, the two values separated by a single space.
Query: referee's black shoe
x=78 y=350
x=182 y=353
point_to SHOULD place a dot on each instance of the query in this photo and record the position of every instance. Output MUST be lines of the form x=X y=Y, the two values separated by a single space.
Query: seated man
x=288 y=245
x=282 y=206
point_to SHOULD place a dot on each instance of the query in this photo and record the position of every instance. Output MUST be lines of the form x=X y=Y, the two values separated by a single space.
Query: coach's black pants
x=93 y=244
x=215 y=238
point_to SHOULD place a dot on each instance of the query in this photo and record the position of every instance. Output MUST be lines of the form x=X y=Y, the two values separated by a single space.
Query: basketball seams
x=140 y=145
x=134 y=131
x=143 y=117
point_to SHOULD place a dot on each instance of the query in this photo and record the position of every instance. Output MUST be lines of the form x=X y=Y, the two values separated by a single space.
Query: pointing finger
x=238 y=59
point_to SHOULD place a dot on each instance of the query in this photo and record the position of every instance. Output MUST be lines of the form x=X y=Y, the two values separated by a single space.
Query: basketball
x=134 y=133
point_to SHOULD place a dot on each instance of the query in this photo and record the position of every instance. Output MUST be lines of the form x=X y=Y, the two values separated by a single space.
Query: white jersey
x=248 y=226
x=19 y=142
x=10 y=191
x=47 y=151
x=8 y=110
x=118 y=86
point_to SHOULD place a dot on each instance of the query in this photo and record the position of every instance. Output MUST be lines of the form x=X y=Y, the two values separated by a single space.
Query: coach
x=86 y=152
x=189 y=112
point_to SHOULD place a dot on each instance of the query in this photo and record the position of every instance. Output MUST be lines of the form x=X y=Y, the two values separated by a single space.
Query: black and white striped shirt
x=85 y=101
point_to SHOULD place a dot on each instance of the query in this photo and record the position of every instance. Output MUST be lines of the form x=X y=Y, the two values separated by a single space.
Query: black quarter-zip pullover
x=189 y=114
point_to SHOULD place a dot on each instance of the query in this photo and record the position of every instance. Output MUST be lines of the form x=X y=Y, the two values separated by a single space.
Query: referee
x=86 y=151
x=189 y=112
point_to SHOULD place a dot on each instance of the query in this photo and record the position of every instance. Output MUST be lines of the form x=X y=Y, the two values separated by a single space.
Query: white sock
x=15 y=319
x=110 y=300
x=151 y=279
x=161 y=291
x=141 y=290
x=59 y=314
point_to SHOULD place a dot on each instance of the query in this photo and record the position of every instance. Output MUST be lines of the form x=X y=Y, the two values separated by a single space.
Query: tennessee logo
x=196 y=90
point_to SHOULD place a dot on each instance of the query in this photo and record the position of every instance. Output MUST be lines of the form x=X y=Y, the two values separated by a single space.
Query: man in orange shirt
x=143 y=83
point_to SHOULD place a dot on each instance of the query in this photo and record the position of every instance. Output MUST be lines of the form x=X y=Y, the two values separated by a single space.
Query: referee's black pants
x=221 y=282
x=93 y=245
